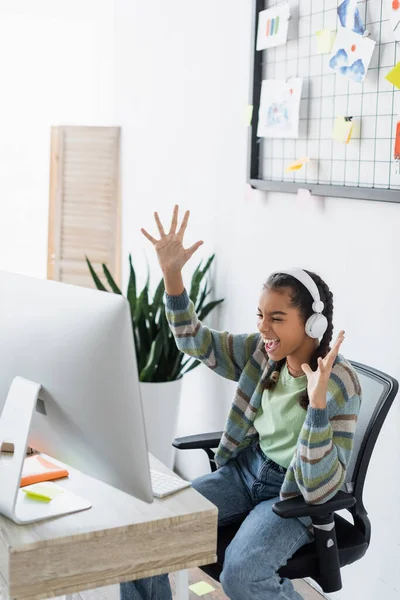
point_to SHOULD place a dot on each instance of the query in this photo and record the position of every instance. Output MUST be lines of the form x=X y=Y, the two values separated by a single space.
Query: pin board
x=340 y=140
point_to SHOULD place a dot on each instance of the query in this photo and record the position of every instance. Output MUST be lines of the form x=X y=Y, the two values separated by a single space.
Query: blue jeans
x=248 y=485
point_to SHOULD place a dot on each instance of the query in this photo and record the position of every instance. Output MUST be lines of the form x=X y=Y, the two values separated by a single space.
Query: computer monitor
x=77 y=343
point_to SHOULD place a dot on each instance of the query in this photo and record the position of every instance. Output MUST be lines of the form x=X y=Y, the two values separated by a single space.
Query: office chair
x=337 y=541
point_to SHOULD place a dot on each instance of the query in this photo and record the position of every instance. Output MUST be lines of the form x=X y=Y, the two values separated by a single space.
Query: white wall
x=181 y=81
x=56 y=69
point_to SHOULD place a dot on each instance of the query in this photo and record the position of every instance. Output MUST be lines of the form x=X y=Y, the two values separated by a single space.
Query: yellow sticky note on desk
x=201 y=588
x=342 y=129
x=325 y=41
x=394 y=76
x=297 y=164
x=43 y=492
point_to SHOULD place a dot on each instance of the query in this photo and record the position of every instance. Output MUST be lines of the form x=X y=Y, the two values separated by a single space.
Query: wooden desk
x=119 y=539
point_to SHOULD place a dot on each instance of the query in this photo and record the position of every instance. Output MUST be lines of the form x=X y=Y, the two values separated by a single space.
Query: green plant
x=157 y=355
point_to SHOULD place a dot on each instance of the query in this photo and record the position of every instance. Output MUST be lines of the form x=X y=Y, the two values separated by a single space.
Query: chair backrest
x=378 y=392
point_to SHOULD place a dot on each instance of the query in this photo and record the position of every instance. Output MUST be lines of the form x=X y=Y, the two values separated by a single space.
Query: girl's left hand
x=317 y=381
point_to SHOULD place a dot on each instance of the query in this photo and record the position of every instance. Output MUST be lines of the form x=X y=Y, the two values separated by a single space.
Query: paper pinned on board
x=279 y=112
x=395 y=19
x=397 y=142
x=349 y=16
x=351 y=55
x=394 y=76
x=273 y=24
x=325 y=41
x=297 y=164
x=343 y=129
x=249 y=114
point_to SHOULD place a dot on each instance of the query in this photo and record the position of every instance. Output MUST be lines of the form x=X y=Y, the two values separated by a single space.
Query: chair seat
x=351 y=543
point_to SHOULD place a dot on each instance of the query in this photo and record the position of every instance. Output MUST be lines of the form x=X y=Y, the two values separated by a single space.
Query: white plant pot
x=161 y=410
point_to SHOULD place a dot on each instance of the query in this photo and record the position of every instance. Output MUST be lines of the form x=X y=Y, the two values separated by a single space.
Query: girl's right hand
x=171 y=254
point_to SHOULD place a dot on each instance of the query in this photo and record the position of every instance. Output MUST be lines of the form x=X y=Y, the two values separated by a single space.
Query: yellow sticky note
x=297 y=164
x=44 y=492
x=201 y=588
x=249 y=114
x=325 y=41
x=342 y=129
x=394 y=76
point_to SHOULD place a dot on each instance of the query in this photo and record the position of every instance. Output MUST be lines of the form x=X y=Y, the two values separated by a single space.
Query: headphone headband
x=309 y=284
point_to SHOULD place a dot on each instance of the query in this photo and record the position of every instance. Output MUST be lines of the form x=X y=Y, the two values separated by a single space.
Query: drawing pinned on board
x=394 y=76
x=273 y=25
x=297 y=164
x=349 y=16
x=278 y=116
x=395 y=19
x=325 y=41
x=343 y=129
x=351 y=55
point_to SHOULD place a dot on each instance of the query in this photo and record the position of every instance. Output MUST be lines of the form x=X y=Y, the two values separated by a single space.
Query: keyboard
x=164 y=484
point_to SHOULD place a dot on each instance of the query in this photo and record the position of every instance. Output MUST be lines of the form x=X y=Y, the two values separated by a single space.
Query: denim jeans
x=248 y=485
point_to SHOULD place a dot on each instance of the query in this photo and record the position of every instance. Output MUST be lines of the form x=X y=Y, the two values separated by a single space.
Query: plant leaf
x=111 y=281
x=192 y=366
x=203 y=296
x=158 y=297
x=131 y=292
x=195 y=286
x=154 y=356
x=208 y=264
x=208 y=308
x=96 y=279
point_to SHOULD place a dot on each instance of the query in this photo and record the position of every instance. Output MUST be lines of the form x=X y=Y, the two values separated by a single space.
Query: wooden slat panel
x=84 y=203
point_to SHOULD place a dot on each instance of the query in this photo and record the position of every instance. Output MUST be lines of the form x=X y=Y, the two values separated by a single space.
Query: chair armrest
x=298 y=507
x=202 y=441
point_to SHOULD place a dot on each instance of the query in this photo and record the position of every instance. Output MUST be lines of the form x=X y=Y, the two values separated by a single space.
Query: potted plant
x=161 y=365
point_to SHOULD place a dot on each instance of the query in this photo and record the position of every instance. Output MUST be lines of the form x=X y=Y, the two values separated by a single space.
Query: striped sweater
x=318 y=468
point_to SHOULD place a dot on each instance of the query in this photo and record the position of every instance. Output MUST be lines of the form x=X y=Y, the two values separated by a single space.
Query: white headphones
x=317 y=324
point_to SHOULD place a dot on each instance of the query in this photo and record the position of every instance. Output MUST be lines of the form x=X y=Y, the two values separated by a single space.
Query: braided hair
x=301 y=299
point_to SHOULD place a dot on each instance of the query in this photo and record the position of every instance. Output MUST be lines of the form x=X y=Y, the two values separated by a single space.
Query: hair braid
x=324 y=346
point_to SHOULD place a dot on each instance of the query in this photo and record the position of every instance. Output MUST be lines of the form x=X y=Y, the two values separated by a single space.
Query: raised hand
x=317 y=381
x=171 y=254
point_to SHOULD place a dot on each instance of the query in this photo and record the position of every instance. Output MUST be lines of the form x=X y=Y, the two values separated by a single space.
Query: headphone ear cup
x=316 y=325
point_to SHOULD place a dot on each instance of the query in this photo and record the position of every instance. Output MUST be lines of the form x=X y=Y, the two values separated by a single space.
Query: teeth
x=268 y=341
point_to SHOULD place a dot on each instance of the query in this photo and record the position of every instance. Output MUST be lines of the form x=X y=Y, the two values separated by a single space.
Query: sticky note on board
x=43 y=492
x=297 y=164
x=394 y=76
x=397 y=142
x=325 y=41
x=343 y=129
x=201 y=588
x=249 y=114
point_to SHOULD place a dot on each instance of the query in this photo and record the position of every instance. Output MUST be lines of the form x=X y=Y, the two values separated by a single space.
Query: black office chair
x=337 y=541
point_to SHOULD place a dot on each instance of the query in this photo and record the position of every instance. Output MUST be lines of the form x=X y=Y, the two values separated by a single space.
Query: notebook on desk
x=37 y=469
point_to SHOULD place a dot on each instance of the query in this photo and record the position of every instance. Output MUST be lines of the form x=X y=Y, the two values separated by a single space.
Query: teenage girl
x=290 y=428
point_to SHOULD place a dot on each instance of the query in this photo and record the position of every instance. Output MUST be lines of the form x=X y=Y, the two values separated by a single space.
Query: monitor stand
x=15 y=422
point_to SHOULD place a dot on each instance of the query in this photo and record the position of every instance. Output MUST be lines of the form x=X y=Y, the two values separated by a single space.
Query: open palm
x=317 y=381
x=171 y=254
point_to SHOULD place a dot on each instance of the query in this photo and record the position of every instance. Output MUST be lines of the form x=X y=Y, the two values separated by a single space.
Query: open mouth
x=271 y=344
